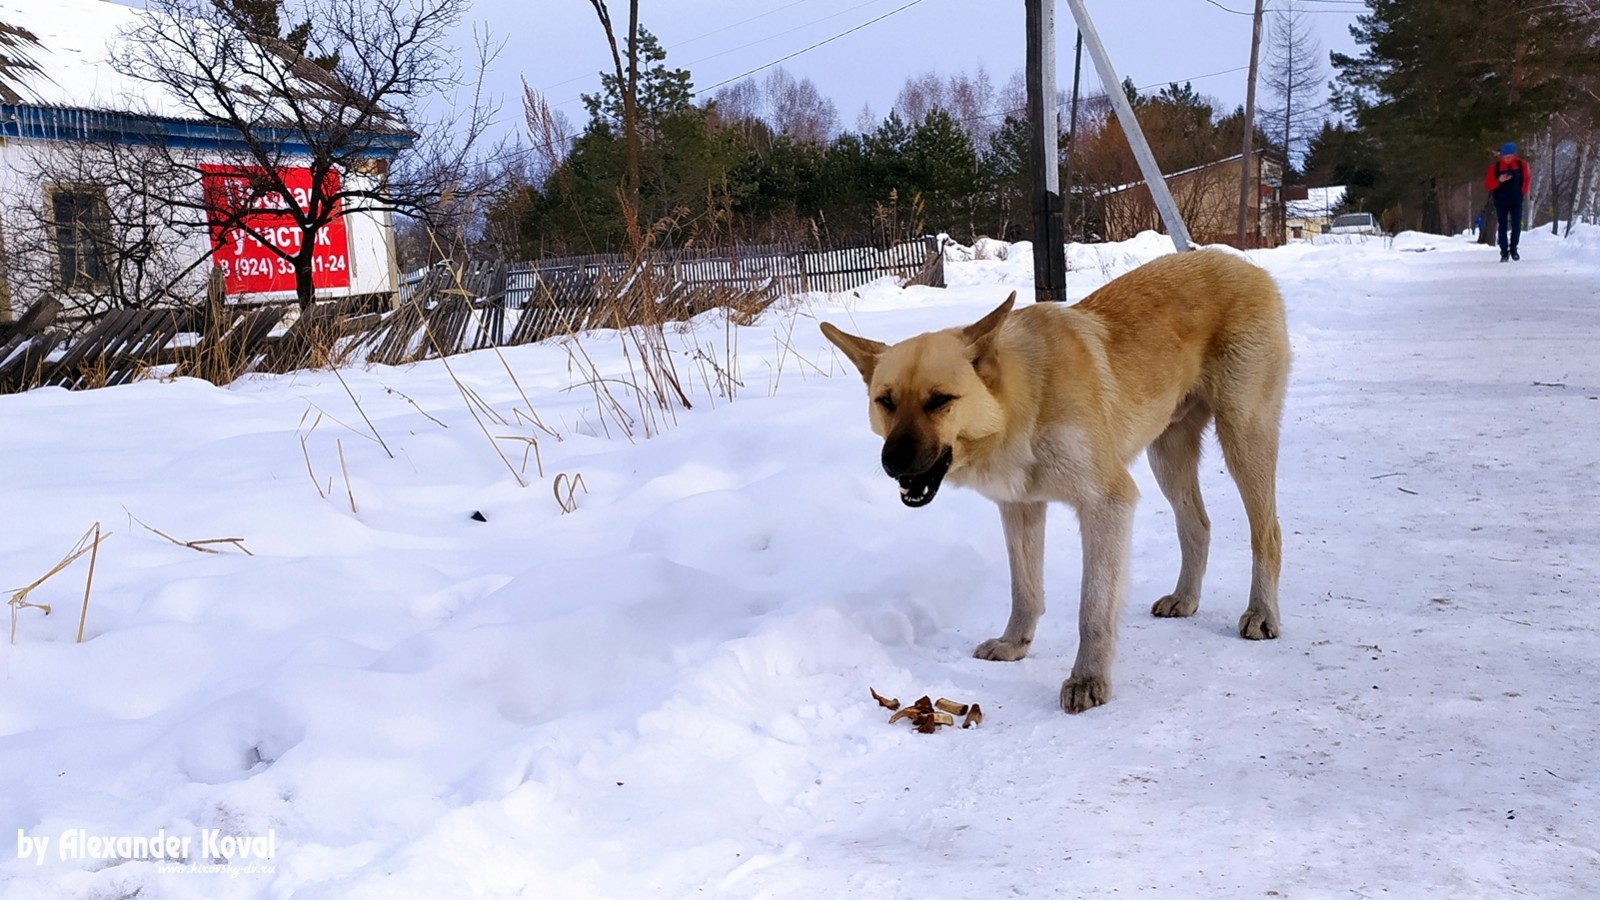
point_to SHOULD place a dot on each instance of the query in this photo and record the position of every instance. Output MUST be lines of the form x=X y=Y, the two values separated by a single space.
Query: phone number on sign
x=252 y=267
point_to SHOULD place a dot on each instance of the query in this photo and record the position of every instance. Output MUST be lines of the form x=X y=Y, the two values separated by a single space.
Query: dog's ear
x=980 y=334
x=864 y=352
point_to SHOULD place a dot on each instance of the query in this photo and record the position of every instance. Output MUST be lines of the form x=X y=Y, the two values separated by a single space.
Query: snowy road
x=664 y=692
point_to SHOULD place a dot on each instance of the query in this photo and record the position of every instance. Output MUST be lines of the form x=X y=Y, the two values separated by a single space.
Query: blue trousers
x=1510 y=216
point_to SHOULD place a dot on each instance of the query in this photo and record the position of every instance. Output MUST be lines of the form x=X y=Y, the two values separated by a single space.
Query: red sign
x=250 y=266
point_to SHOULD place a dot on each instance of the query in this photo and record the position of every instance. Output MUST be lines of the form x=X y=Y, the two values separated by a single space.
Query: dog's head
x=929 y=397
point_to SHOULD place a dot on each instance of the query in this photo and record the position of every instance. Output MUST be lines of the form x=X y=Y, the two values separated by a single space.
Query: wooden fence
x=440 y=311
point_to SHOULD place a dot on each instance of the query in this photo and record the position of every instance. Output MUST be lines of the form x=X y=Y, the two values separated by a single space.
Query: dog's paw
x=1081 y=693
x=1001 y=651
x=1174 y=607
x=1257 y=625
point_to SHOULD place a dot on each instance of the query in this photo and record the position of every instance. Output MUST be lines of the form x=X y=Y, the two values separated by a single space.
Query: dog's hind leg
x=1175 y=459
x=1106 y=526
x=1250 y=446
x=1024 y=528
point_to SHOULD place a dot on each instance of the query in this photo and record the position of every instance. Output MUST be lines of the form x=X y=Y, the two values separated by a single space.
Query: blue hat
x=1508 y=149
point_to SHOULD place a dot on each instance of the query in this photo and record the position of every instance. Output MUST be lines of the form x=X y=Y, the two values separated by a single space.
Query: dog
x=1052 y=403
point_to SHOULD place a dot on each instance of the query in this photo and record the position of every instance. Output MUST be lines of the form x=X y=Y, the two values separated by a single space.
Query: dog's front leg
x=1106 y=525
x=1024 y=528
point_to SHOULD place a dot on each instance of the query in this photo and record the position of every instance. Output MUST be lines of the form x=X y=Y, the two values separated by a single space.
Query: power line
x=1227 y=10
x=886 y=15
x=727 y=28
x=790 y=56
x=780 y=34
x=733 y=25
x=820 y=43
x=1146 y=87
x=1308 y=12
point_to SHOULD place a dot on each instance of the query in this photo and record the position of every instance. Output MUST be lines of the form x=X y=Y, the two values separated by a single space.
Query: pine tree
x=1005 y=166
x=662 y=91
x=944 y=169
x=1340 y=155
x=1441 y=83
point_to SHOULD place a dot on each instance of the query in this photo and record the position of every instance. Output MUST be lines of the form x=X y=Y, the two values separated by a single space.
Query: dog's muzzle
x=918 y=487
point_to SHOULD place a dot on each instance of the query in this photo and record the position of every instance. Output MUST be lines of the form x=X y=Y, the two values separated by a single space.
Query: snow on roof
x=72 y=64
x=1322 y=201
x=76 y=39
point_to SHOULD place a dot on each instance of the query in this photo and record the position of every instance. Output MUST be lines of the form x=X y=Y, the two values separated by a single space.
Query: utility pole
x=1153 y=179
x=1072 y=134
x=1049 y=243
x=1249 y=125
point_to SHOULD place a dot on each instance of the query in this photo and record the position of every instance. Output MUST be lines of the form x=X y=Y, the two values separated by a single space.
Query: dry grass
x=349 y=491
x=568 y=500
x=200 y=546
x=90 y=544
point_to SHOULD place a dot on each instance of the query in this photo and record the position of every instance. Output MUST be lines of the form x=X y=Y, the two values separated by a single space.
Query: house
x=1313 y=213
x=78 y=217
x=1208 y=199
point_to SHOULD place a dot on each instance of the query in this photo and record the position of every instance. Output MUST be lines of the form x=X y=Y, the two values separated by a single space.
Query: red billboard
x=250 y=266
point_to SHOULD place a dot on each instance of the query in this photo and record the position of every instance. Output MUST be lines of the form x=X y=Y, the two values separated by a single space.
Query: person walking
x=1507 y=180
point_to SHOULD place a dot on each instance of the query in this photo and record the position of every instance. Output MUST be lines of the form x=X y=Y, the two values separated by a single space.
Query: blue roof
x=54 y=123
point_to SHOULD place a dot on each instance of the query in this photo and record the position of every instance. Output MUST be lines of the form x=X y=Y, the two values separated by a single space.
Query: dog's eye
x=886 y=402
x=937 y=402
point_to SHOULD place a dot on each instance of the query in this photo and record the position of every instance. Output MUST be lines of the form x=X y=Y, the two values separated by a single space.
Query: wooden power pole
x=1072 y=134
x=1249 y=125
x=1049 y=239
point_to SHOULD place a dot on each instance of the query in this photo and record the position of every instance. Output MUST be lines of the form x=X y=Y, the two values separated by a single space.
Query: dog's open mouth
x=918 y=490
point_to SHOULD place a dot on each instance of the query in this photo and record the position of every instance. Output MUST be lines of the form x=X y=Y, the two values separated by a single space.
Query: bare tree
x=337 y=99
x=920 y=95
x=971 y=100
x=1013 y=97
x=866 y=121
x=740 y=101
x=799 y=109
x=1294 y=75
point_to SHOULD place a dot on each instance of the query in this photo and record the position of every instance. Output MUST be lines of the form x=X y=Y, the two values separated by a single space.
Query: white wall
x=22 y=204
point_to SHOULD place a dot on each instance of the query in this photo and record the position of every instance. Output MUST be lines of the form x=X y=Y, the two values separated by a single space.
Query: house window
x=80 y=220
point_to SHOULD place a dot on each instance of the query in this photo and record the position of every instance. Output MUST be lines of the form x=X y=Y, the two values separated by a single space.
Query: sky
x=860 y=54
x=560 y=50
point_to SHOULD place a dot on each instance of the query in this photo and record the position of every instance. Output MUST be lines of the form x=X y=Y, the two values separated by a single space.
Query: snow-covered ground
x=664 y=691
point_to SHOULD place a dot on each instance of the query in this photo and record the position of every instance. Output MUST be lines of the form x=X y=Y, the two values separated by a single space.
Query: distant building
x=1312 y=214
x=1208 y=199
x=68 y=231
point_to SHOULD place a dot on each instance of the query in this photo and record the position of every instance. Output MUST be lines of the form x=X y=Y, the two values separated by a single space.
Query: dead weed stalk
x=201 y=546
x=90 y=544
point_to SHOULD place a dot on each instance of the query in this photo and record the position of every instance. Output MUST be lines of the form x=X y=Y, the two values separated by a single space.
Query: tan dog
x=1053 y=402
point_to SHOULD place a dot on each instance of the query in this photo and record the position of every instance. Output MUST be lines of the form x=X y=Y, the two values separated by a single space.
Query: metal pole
x=1130 y=126
x=1249 y=127
x=1049 y=244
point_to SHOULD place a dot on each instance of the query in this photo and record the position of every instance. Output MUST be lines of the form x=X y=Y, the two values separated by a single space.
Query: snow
x=1320 y=202
x=77 y=39
x=664 y=691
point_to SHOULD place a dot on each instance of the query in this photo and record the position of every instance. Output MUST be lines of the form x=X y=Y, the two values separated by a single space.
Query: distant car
x=1354 y=223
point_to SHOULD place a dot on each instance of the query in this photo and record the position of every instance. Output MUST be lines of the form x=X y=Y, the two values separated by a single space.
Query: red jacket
x=1491 y=179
